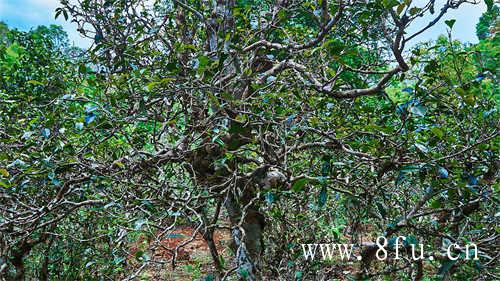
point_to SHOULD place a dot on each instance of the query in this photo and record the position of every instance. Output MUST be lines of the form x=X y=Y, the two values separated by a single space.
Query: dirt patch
x=193 y=258
x=196 y=245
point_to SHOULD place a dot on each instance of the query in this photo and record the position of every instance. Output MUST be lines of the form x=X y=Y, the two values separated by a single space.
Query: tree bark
x=247 y=232
x=44 y=271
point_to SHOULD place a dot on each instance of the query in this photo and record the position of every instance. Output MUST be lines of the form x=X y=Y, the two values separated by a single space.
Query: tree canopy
x=283 y=123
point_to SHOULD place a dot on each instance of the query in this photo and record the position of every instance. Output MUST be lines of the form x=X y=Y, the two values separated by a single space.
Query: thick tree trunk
x=44 y=270
x=17 y=260
x=247 y=233
x=20 y=252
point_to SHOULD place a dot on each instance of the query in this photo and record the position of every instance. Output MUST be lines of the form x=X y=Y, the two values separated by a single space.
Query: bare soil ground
x=193 y=260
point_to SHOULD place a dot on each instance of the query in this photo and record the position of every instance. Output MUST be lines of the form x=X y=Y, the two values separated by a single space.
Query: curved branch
x=324 y=32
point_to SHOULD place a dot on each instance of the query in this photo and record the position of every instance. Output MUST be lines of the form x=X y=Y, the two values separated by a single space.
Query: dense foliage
x=487 y=24
x=283 y=122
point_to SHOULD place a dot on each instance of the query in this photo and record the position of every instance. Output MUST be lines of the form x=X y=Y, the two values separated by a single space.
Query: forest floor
x=193 y=260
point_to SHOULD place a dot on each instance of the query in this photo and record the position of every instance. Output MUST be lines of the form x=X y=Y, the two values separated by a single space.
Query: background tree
x=488 y=22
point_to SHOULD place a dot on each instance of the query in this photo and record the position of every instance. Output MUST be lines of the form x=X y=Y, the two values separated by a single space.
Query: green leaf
x=400 y=8
x=410 y=240
x=222 y=261
x=244 y=273
x=299 y=184
x=404 y=172
x=218 y=141
x=461 y=92
x=139 y=223
x=151 y=86
x=13 y=52
x=415 y=10
x=237 y=128
x=443 y=173
x=436 y=204
x=450 y=23
x=118 y=260
x=46 y=133
x=119 y=164
x=421 y=147
x=437 y=132
x=489 y=4
x=139 y=254
x=203 y=62
x=470 y=100
x=34 y=82
x=298 y=275
x=172 y=67
x=381 y=210
x=418 y=110
x=282 y=14
x=269 y=197
x=389 y=3
x=446 y=266
x=323 y=196
x=166 y=80
x=4 y=184
x=4 y=173
x=58 y=12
